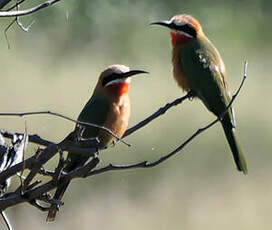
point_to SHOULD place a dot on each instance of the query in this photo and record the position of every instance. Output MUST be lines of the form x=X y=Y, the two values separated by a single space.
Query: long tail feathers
x=58 y=196
x=51 y=215
x=238 y=155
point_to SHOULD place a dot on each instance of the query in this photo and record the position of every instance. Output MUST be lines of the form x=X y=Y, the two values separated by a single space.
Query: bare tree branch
x=27 y=11
x=6 y=31
x=48 y=112
x=36 y=204
x=11 y=199
x=16 y=19
x=66 y=146
x=39 y=191
x=15 y=5
x=6 y=220
x=36 y=139
x=30 y=163
x=158 y=113
x=24 y=28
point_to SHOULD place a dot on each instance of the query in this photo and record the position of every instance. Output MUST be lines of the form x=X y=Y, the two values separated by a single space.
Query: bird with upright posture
x=109 y=107
x=199 y=68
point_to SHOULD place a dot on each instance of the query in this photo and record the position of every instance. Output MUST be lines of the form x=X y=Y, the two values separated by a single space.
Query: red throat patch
x=179 y=38
x=119 y=88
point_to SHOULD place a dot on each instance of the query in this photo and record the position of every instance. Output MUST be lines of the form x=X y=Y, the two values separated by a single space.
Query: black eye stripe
x=185 y=28
x=109 y=78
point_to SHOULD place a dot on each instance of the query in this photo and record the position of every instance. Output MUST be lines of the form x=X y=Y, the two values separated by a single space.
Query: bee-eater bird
x=109 y=107
x=199 y=68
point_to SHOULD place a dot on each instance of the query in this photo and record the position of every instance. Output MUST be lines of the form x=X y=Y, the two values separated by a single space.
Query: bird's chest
x=121 y=111
x=121 y=106
x=117 y=119
x=178 y=70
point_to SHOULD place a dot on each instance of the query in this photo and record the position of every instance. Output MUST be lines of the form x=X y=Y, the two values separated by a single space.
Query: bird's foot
x=191 y=95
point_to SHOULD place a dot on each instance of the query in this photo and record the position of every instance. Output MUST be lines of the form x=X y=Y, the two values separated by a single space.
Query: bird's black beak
x=132 y=73
x=116 y=76
x=163 y=23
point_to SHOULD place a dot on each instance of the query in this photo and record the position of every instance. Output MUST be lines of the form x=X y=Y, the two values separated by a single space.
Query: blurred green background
x=55 y=67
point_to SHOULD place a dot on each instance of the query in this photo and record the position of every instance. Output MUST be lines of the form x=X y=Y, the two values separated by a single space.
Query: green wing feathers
x=95 y=111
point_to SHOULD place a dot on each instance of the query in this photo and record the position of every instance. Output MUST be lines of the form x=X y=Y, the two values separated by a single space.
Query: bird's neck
x=119 y=89
x=179 y=39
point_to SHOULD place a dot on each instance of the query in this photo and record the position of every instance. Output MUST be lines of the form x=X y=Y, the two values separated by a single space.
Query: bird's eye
x=186 y=28
x=109 y=78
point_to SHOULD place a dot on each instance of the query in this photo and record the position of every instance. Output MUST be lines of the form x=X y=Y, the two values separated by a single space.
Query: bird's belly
x=181 y=80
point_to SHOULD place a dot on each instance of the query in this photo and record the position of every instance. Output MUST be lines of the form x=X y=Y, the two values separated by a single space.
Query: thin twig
x=34 y=184
x=83 y=150
x=30 y=163
x=31 y=138
x=66 y=118
x=36 y=204
x=158 y=113
x=24 y=28
x=6 y=220
x=60 y=167
x=15 y=5
x=20 y=24
x=146 y=164
x=25 y=137
x=28 y=11
x=46 y=172
x=6 y=30
x=38 y=140
x=242 y=83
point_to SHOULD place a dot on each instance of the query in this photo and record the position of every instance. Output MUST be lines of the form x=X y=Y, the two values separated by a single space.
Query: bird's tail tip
x=236 y=149
x=238 y=154
x=242 y=164
x=51 y=216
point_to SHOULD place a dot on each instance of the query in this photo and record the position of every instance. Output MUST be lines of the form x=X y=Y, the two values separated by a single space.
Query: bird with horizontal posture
x=109 y=107
x=199 y=68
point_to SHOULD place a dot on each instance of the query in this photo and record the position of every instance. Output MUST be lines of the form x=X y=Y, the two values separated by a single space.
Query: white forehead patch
x=119 y=69
x=178 y=23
